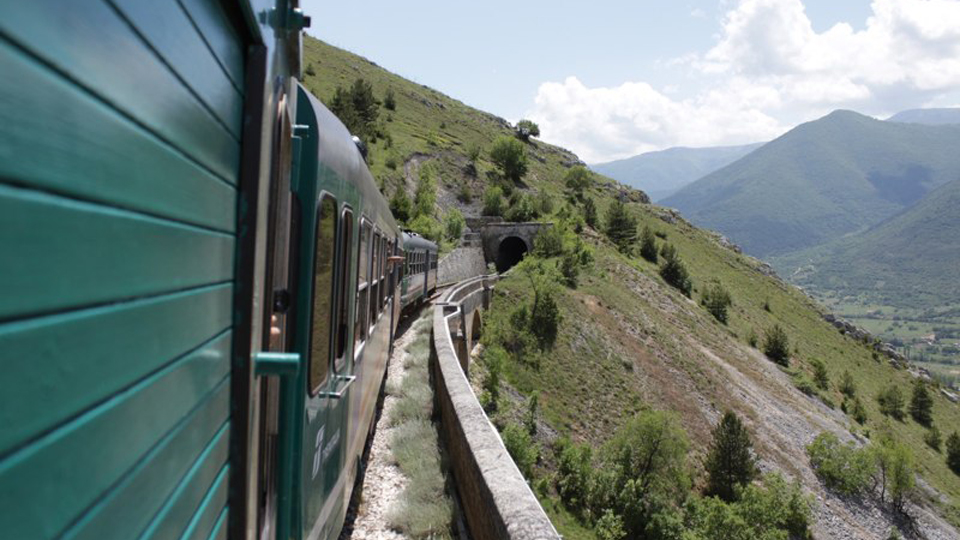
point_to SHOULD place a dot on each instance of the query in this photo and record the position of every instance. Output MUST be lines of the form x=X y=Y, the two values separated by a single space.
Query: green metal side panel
x=72 y=254
x=120 y=133
x=89 y=42
x=69 y=142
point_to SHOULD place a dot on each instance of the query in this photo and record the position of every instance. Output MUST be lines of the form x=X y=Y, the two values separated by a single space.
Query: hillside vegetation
x=662 y=173
x=609 y=359
x=840 y=174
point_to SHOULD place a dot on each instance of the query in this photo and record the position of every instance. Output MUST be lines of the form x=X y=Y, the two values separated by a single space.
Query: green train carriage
x=166 y=189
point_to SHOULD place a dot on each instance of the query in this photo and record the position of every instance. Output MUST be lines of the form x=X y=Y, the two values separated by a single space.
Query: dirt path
x=383 y=481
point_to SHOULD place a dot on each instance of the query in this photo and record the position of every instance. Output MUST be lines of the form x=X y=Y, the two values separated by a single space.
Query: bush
x=427 y=227
x=464 y=194
x=522 y=208
x=730 y=462
x=894 y=471
x=357 y=109
x=425 y=197
x=570 y=268
x=921 y=404
x=577 y=180
x=493 y=201
x=545 y=318
x=509 y=156
x=842 y=467
x=953 y=452
x=610 y=527
x=544 y=203
x=847 y=386
x=310 y=72
x=574 y=474
x=673 y=270
x=590 y=212
x=774 y=509
x=858 y=411
x=521 y=448
x=390 y=100
x=400 y=205
x=533 y=408
x=494 y=359
x=453 y=224
x=752 y=339
x=526 y=129
x=933 y=438
x=776 y=345
x=621 y=227
x=648 y=245
x=548 y=242
x=717 y=301
x=820 y=375
x=891 y=402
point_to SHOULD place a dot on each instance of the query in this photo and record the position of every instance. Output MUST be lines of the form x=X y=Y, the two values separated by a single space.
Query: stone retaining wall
x=461 y=264
x=496 y=500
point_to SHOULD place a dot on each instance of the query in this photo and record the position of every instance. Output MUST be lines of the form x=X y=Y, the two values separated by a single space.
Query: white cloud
x=767 y=71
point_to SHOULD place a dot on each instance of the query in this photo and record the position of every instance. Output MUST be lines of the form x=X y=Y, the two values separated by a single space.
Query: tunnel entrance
x=511 y=251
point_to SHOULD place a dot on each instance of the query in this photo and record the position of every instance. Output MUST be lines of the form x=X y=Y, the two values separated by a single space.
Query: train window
x=322 y=313
x=383 y=273
x=363 y=273
x=375 y=280
x=343 y=307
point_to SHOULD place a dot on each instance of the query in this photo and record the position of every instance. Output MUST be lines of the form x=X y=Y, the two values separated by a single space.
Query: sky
x=612 y=79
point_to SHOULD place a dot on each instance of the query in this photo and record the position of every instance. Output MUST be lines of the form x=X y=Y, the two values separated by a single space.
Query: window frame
x=360 y=303
x=341 y=335
x=313 y=389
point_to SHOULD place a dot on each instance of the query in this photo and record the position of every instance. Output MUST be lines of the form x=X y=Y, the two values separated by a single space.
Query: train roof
x=338 y=152
x=414 y=240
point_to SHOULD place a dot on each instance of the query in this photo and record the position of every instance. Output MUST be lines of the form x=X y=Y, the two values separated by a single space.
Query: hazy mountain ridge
x=842 y=173
x=662 y=173
x=930 y=117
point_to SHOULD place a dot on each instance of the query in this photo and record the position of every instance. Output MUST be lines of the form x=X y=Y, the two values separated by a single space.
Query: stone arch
x=476 y=327
x=510 y=251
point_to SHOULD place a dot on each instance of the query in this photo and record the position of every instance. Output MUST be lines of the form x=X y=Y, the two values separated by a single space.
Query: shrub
x=548 y=242
x=570 y=268
x=473 y=152
x=390 y=100
x=673 y=270
x=730 y=462
x=521 y=448
x=522 y=208
x=574 y=474
x=453 y=224
x=464 y=194
x=820 y=375
x=509 y=156
x=544 y=203
x=427 y=227
x=545 y=318
x=717 y=301
x=621 y=227
x=526 y=129
x=357 y=109
x=590 y=212
x=847 y=386
x=577 y=180
x=530 y=419
x=493 y=201
x=858 y=411
x=752 y=339
x=953 y=452
x=776 y=345
x=891 y=401
x=842 y=467
x=894 y=471
x=648 y=245
x=921 y=404
x=400 y=205
x=610 y=527
x=310 y=72
x=933 y=438
x=494 y=359
x=425 y=197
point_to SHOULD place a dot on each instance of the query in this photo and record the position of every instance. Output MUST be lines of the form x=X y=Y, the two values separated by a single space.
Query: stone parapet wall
x=496 y=500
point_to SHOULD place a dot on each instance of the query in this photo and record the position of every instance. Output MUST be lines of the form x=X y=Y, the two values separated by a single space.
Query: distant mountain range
x=660 y=174
x=911 y=258
x=843 y=173
x=930 y=117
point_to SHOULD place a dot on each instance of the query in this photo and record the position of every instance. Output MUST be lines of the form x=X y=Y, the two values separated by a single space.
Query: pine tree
x=891 y=401
x=621 y=226
x=590 y=212
x=921 y=404
x=730 y=462
x=648 y=245
x=673 y=271
x=776 y=345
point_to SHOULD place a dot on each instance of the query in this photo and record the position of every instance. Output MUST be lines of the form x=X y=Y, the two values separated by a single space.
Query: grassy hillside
x=661 y=174
x=627 y=342
x=839 y=174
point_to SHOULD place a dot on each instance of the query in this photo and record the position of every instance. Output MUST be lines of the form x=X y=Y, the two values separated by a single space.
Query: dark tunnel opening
x=510 y=252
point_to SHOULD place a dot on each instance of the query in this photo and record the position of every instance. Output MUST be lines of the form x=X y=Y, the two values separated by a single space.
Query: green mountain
x=627 y=343
x=661 y=174
x=837 y=175
x=930 y=117
x=910 y=259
